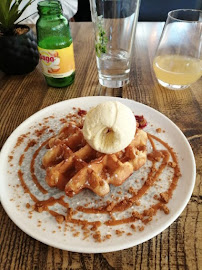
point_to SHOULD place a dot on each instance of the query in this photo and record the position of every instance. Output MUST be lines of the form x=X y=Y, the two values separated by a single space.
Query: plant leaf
x=9 y=12
x=4 y=10
x=12 y=14
x=23 y=9
x=7 y=4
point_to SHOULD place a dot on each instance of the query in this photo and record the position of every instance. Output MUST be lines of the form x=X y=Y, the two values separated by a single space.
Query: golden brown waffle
x=72 y=165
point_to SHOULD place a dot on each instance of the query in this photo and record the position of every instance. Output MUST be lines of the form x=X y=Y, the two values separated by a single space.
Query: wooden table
x=179 y=246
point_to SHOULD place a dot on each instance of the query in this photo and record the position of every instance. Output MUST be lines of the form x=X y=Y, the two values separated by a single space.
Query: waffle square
x=72 y=165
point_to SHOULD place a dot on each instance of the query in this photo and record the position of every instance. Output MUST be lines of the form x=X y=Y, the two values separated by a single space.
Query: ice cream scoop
x=109 y=127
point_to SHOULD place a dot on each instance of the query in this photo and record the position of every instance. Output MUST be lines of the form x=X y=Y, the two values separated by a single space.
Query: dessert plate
x=17 y=165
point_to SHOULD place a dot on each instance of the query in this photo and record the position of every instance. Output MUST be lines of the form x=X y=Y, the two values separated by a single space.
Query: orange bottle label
x=57 y=63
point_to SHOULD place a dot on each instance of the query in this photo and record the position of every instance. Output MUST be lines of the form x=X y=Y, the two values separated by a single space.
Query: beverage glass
x=177 y=63
x=114 y=26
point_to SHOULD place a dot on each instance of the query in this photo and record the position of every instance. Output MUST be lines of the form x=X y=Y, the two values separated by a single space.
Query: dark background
x=150 y=10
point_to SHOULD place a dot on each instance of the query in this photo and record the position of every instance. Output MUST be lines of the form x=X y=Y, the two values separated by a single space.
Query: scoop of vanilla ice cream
x=109 y=127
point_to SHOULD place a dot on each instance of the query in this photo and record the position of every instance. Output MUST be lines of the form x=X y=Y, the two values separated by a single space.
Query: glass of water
x=114 y=25
x=177 y=63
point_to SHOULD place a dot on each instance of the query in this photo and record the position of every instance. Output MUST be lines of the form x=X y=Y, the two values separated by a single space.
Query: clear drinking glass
x=114 y=25
x=177 y=62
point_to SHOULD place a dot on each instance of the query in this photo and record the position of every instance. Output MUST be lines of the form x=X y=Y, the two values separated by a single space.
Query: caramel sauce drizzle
x=32 y=170
x=153 y=176
x=25 y=187
x=41 y=206
x=22 y=157
x=145 y=217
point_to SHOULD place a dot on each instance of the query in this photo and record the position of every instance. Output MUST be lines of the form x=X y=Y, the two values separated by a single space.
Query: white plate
x=43 y=226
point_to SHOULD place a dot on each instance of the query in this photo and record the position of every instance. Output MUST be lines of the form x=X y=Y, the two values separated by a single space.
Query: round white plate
x=43 y=227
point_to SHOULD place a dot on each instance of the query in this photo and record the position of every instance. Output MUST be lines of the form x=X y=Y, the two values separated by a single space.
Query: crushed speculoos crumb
x=141 y=228
x=84 y=227
x=129 y=234
x=136 y=214
x=60 y=219
x=149 y=181
x=27 y=205
x=110 y=206
x=119 y=232
x=156 y=197
x=108 y=236
x=133 y=227
x=164 y=196
x=86 y=234
x=95 y=227
x=158 y=130
x=172 y=164
x=148 y=212
x=39 y=207
x=76 y=234
x=165 y=209
x=136 y=202
x=97 y=236
x=132 y=191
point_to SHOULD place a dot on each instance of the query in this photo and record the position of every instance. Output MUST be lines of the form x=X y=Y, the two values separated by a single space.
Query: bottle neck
x=51 y=7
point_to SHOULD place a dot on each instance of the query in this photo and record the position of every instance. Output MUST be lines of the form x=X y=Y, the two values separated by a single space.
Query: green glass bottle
x=55 y=44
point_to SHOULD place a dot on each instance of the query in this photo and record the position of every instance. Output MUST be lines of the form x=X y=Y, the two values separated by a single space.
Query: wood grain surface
x=179 y=246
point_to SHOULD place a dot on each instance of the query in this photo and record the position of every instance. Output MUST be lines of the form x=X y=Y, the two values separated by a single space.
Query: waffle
x=72 y=165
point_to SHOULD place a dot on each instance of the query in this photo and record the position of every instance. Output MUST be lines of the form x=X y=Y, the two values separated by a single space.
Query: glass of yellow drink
x=177 y=62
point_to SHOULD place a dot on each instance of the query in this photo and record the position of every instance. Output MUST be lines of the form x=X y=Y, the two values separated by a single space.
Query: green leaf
x=9 y=12
x=22 y=10
x=102 y=39
x=13 y=15
x=4 y=10
x=8 y=3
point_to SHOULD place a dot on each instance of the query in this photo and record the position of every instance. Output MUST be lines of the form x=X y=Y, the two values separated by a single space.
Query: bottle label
x=57 y=63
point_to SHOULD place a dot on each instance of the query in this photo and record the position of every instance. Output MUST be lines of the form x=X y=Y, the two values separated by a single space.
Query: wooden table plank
x=179 y=246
